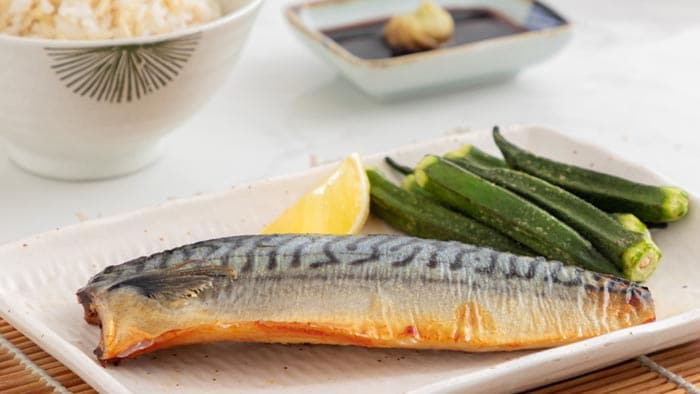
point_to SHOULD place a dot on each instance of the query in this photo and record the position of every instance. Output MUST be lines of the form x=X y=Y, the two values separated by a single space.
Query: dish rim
x=679 y=322
x=230 y=17
x=293 y=11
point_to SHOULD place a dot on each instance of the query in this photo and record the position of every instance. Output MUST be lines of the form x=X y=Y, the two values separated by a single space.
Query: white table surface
x=630 y=80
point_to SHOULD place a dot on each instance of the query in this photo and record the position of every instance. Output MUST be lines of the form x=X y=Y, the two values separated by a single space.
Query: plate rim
x=28 y=325
x=567 y=354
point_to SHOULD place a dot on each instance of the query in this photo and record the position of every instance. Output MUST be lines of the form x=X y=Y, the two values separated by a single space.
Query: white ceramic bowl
x=462 y=65
x=73 y=110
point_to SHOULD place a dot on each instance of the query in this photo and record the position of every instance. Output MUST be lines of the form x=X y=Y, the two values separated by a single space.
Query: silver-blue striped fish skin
x=369 y=290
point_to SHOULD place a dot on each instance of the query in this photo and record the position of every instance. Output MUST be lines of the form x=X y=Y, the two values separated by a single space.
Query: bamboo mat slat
x=630 y=377
x=634 y=376
x=17 y=378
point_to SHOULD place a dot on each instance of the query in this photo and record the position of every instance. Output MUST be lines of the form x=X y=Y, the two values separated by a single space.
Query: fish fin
x=184 y=263
x=174 y=284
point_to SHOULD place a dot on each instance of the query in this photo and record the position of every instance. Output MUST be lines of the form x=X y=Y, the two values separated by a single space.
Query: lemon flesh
x=338 y=205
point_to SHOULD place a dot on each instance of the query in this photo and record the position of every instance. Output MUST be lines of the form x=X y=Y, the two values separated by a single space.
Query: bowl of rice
x=92 y=86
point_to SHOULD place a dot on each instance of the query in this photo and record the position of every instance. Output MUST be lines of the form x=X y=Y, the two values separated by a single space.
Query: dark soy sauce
x=365 y=40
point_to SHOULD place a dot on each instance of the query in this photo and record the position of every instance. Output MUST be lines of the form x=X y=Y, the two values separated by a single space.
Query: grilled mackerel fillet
x=365 y=290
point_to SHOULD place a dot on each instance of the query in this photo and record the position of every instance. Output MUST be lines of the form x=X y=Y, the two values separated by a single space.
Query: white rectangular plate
x=41 y=274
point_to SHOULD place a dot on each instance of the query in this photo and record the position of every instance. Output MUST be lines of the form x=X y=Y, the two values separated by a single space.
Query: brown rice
x=102 y=19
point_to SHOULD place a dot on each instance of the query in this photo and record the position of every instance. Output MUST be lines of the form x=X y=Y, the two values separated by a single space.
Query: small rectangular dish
x=493 y=40
x=41 y=274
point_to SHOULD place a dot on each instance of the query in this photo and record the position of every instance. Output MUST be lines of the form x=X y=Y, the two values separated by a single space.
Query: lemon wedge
x=338 y=205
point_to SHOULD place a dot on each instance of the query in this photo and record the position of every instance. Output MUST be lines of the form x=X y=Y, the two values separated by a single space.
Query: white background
x=630 y=80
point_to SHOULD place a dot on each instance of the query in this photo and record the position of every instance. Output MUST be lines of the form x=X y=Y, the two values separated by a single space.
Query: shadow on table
x=339 y=93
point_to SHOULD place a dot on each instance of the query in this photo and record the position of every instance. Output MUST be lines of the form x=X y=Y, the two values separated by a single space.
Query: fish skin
x=366 y=290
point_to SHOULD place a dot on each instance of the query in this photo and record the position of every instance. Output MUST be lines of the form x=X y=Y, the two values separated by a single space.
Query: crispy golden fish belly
x=367 y=290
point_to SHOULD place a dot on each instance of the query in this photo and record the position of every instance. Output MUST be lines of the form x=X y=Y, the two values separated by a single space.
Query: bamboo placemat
x=25 y=368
